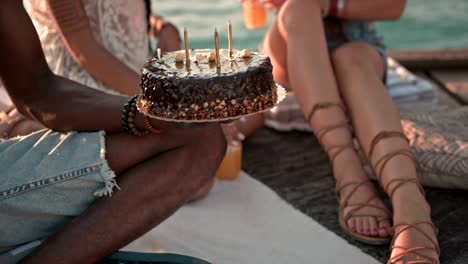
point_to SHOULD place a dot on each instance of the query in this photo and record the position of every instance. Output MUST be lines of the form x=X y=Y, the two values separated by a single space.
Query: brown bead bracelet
x=128 y=121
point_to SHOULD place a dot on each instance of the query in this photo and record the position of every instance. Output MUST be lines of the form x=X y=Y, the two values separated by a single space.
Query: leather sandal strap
x=358 y=206
x=355 y=185
x=324 y=105
x=382 y=135
x=338 y=149
x=383 y=161
x=415 y=250
x=400 y=182
x=322 y=132
x=406 y=226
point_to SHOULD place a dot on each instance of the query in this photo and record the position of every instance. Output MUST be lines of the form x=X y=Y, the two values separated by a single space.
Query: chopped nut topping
x=211 y=56
x=199 y=57
x=245 y=53
x=180 y=56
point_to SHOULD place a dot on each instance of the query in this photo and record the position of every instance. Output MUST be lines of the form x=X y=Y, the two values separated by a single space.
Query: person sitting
x=95 y=144
x=328 y=52
x=108 y=36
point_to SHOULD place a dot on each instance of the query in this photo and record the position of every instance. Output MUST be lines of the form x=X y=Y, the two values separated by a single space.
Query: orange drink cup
x=231 y=165
x=255 y=15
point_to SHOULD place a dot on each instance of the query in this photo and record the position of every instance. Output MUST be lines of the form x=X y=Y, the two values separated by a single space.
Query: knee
x=357 y=56
x=294 y=10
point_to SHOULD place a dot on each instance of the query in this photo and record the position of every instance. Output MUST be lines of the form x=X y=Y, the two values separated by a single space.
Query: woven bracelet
x=128 y=121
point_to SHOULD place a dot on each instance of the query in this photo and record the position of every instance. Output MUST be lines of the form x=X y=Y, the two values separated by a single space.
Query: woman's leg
x=156 y=174
x=359 y=70
x=297 y=47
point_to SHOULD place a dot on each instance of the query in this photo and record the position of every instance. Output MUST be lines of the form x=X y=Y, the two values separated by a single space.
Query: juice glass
x=255 y=15
x=231 y=165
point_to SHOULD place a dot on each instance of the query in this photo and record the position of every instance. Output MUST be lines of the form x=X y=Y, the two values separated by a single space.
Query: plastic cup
x=255 y=15
x=231 y=165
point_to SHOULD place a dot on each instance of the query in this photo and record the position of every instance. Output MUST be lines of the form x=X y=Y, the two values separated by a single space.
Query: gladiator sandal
x=334 y=151
x=390 y=187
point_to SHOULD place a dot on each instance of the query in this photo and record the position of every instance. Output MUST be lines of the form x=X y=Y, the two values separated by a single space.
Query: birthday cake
x=201 y=89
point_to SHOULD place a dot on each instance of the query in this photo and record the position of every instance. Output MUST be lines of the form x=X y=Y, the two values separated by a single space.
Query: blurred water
x=426 y=24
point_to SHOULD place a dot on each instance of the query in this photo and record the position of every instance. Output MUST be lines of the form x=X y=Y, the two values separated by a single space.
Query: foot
x=364 y=212
x=410 y=209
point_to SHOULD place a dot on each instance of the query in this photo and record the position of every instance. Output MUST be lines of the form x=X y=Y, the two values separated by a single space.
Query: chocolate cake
x=172 y=89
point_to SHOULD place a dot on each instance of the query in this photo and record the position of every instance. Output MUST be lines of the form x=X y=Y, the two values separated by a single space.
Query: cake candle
x=158 y=52
x=230 y=38
x=187 y=51
x=218 y=61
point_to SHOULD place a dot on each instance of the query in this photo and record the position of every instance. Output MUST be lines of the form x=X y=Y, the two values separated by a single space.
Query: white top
x=118 y=25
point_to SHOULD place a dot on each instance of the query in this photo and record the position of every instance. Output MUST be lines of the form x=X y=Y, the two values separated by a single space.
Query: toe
x=365 y=226
x=352 y=223
x=384 y=229
x=359 y=225
x=373 y=225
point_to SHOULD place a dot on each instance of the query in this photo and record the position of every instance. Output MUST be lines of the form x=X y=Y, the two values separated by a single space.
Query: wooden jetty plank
x=455 y=81
x=443 y=98
x=437 y=59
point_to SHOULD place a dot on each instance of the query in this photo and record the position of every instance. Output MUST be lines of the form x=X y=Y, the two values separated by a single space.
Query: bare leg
x=359 y=70
x=297 y=47
x=156 y=174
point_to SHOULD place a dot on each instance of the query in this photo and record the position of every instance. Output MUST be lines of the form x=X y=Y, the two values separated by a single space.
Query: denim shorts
x=46 y=179
x=339 y=32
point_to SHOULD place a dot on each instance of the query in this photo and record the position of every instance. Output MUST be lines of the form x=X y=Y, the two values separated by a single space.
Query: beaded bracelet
x=128 y=121
x=150 y=127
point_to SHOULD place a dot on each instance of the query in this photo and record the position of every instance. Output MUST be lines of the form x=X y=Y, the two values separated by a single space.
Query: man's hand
x=14 y=124
x=167 y=34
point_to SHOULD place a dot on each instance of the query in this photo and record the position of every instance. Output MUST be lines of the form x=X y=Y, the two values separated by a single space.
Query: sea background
x=425 y=25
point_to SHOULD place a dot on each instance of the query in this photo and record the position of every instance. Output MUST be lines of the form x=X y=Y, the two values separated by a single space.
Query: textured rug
x=295 y=167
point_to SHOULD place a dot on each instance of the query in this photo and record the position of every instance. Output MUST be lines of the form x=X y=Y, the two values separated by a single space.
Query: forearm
x=373 y=10
x=66 y=105
x=73 y=24
x=106 y=68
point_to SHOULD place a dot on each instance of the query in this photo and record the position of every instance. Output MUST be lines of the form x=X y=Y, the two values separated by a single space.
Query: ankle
x=410 y=198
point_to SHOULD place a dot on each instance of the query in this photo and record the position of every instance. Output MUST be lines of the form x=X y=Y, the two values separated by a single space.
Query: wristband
x=150 y=127
x=333 y=9
x=340 y=8
x=128 y=121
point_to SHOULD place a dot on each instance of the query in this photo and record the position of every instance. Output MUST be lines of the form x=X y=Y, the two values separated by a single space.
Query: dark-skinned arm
x=56 y=102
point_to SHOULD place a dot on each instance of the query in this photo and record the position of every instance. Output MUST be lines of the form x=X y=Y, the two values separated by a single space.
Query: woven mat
x=294 y=166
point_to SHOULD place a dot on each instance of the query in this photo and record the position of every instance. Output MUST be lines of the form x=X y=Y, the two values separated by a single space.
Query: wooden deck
x=448 y=70
x=294 y=165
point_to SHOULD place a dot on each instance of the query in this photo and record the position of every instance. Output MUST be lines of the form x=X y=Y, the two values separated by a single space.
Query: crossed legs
x=157 y=174
x=352 y=77
x=377 y=126
x=303 y=63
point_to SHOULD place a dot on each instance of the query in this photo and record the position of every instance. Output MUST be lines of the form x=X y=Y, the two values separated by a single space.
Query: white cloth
x=118 y=25
x=406 y=88
x=245 y=222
